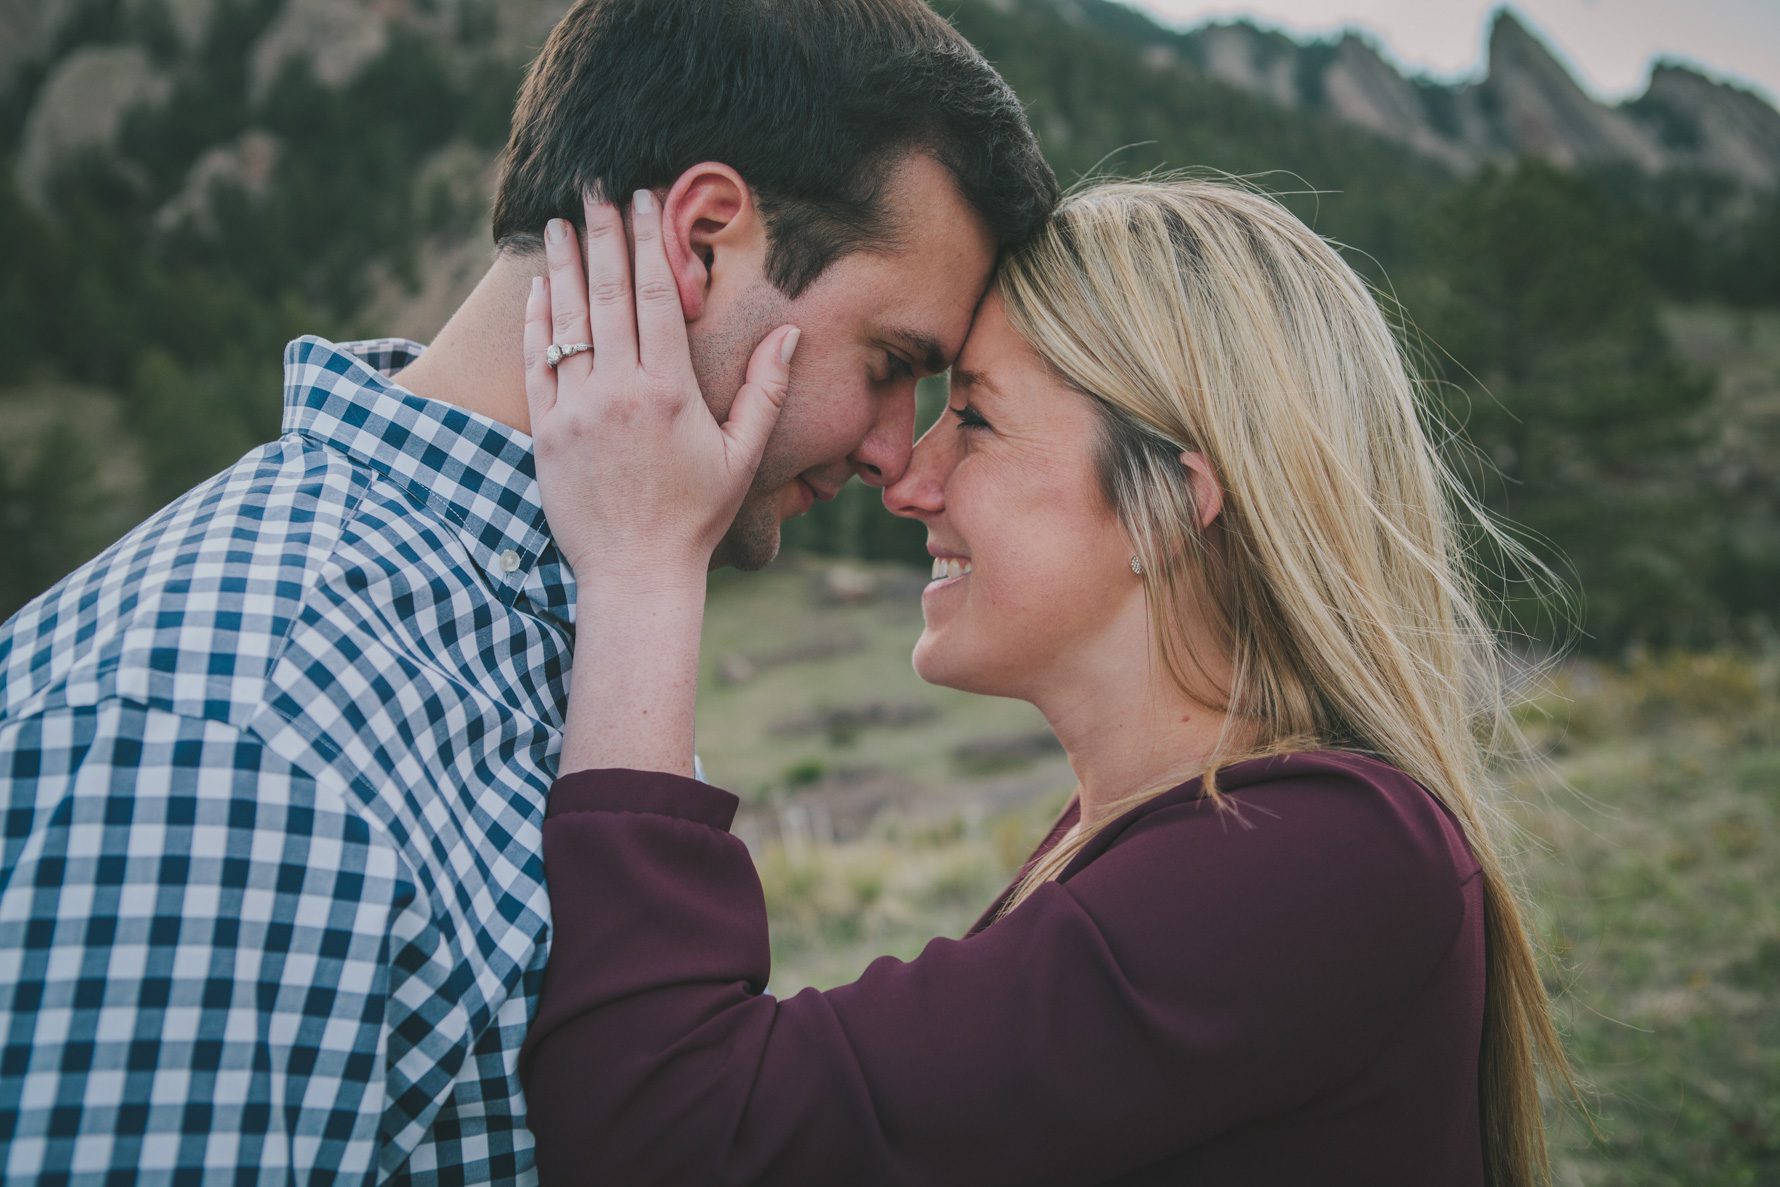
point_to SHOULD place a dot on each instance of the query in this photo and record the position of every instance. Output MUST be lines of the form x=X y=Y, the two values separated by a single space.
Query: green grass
x=1651 y=846
x=1657 y=884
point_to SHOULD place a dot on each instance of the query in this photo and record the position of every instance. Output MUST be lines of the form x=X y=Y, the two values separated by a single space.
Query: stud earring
x=1136 y=565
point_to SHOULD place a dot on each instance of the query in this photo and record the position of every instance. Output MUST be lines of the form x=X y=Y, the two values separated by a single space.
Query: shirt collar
x=476 y=472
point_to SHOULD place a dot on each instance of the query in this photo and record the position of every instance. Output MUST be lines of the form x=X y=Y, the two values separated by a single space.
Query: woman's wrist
x=634 y=683
x=641 y=581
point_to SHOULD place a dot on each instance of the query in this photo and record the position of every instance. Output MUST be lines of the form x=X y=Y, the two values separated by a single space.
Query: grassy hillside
x=1650 y=846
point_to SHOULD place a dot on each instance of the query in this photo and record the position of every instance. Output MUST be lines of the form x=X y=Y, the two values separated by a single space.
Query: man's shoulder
x=189 y=610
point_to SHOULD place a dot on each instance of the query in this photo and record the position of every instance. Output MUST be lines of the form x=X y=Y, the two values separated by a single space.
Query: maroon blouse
x=1292 y=993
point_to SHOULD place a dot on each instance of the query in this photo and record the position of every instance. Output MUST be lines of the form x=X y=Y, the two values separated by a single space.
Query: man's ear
x=1208 y=493
x=709 y=223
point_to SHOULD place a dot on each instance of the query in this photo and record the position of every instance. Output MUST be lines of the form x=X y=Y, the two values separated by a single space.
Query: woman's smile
x=949 y=567
x=949 y=572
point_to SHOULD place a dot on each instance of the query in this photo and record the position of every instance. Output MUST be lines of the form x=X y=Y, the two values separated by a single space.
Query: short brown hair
x=811 y=101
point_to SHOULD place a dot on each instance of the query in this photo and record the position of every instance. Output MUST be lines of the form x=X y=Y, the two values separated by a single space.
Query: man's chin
x=752 y=540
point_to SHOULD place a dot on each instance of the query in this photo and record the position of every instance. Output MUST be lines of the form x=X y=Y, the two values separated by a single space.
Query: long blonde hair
x=1200 y=315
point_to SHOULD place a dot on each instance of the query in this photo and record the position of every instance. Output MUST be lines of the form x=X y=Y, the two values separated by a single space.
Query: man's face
x=872 y=325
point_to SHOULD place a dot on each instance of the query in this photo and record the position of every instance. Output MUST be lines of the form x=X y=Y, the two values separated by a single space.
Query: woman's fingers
x=661 y=321
x=540 y=380
x=757 y=405
x=611 y=309
x=568 y=299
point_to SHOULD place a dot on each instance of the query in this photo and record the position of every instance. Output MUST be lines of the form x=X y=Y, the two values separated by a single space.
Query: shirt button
x=509 y=561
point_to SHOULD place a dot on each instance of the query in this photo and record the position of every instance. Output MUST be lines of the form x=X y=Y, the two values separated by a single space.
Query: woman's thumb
x=756 y=407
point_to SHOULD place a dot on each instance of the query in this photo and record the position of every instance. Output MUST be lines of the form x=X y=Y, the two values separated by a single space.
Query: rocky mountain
x=75 y=69
x=1527 y=103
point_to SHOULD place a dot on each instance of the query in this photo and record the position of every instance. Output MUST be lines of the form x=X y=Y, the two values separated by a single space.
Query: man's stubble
x=720 y=354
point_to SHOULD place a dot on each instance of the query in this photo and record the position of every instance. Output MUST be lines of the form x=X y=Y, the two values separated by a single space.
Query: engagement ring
x=558 y=353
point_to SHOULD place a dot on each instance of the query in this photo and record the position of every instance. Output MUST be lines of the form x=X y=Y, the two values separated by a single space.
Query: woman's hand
x=638 y=479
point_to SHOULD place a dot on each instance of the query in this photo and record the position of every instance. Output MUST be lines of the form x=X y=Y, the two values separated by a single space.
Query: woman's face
x=1005 y=483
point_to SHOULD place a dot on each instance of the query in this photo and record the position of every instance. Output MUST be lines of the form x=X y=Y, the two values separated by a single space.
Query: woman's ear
x=1208 y=493
x=708 y=214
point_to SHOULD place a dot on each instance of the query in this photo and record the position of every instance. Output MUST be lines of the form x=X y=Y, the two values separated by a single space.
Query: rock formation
x=81 y=108
x=1527 y=103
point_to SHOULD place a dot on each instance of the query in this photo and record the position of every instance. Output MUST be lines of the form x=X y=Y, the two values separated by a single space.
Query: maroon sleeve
x=1203 y=970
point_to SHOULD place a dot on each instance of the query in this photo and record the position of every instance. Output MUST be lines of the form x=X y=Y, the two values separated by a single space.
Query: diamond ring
x=557 y=353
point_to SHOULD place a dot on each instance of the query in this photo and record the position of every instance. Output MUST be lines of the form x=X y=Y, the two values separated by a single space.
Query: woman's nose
x=921 y=489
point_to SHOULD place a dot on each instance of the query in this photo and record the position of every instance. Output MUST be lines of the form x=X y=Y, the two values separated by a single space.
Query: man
x=272 y=768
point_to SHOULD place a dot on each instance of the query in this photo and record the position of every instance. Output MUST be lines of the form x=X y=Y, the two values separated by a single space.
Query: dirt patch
x=848 y=720
x=1010 y=752
x=739 y=667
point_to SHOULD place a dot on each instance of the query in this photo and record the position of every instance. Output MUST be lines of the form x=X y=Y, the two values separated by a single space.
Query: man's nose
x=884 y=454
x=921 y=490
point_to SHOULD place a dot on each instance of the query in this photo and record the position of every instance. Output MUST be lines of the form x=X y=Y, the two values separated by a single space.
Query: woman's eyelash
x=969 y=418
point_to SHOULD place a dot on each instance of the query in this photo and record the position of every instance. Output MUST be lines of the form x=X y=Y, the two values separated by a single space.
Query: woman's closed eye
x=969 y=417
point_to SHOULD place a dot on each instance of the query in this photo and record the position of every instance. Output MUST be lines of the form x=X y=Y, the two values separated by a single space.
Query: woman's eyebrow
x=962 y=378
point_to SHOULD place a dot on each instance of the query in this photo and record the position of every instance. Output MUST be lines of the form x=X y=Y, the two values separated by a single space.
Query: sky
x=1608 y=44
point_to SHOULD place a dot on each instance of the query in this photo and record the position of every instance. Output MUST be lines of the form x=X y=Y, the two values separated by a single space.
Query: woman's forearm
x=633 y=690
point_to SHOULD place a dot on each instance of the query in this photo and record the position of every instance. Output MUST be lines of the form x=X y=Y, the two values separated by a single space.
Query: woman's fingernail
x=789 y=346
x=644 y=202
x=555 y=229
x=537 y=287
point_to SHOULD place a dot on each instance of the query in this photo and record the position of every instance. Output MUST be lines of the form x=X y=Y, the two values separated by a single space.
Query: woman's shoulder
x=1327 y=868
x=1361 y=788
x=1321 y=813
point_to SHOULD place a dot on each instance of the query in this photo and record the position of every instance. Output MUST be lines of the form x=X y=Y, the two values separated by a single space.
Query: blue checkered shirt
x=272 y=770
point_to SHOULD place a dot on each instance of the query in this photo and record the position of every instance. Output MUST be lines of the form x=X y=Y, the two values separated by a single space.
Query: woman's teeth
x=945 y=566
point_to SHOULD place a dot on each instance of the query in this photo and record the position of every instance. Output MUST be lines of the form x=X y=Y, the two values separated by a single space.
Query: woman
x=1182 y=502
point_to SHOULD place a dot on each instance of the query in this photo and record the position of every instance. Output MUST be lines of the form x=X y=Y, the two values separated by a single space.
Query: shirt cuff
x=657 y=792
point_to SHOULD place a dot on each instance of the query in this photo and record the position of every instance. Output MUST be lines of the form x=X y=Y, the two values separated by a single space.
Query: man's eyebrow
x=924 y=350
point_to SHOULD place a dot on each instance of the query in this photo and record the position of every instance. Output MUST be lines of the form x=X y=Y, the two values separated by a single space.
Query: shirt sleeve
x=1205 y=969
x=195 y=947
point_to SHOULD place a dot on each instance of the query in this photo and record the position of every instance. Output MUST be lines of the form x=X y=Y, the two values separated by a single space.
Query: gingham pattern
x=272 y=771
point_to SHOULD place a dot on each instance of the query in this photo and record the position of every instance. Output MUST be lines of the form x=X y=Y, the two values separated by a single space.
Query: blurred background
x=1581 y=241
